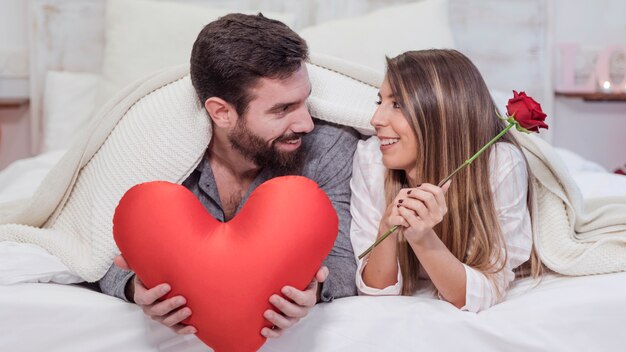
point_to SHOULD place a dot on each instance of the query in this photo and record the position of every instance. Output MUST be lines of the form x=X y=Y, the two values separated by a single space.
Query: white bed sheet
x=559 y=314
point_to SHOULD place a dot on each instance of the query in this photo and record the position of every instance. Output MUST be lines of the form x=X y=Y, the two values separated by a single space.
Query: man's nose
x=303 y=122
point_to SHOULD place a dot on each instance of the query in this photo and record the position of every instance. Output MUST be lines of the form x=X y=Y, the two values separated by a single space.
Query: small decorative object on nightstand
x=599 y=86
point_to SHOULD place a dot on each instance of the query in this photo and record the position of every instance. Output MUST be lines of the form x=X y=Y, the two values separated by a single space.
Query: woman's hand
x=392 y=216
x=422 y=209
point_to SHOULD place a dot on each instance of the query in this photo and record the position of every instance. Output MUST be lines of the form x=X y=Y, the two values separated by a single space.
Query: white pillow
x=595 y=184
x=24 y=262
x=21 y=178
x=143 y=36
x=390 y=31
x=576 y=163
x=69 y=99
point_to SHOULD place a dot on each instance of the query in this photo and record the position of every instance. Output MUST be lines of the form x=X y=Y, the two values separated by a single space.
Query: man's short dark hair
x=233 y=52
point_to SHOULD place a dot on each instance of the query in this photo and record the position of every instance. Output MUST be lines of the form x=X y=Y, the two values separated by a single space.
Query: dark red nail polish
x=401 y=200
x=409 y=192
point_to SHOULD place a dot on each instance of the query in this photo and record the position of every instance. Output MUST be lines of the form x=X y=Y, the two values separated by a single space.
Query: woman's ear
x=221 y=112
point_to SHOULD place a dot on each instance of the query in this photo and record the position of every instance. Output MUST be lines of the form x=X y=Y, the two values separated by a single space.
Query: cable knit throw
x=158 y=130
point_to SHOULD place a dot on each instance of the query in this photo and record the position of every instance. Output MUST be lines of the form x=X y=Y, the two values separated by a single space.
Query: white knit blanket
x=158 y=130
x=573 y=237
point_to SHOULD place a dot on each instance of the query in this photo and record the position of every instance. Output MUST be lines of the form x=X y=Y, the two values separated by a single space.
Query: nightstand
x=12 y=103
x=620 y=97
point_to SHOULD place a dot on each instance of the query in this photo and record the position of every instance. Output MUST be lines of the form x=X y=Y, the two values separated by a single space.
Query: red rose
x=526 y=111
x=620 y=172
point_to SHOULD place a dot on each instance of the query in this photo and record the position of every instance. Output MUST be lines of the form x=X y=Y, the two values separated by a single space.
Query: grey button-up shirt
x=328 y=162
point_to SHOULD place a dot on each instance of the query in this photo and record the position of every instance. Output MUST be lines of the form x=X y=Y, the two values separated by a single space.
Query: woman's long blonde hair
x=449 y=108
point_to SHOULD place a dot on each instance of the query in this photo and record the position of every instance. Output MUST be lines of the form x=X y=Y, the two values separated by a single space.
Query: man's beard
x=255 y=149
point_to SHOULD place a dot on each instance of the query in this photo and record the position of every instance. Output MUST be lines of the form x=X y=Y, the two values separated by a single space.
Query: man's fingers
x=167 y=306
x=322 y=274
x=146 y=297
x=279 y=320
x=120 y=262
x=271 y=333
x=184 y=329
x=302 y=298
x=177 y=317
x=287 y=308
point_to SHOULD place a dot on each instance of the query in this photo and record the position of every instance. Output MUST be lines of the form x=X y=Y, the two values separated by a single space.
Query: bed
x=43 y=307
x=557 y=313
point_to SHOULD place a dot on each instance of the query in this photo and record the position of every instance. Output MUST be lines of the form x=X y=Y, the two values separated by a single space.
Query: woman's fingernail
x=419 y=184
x=409 y=192
x=398 y=205
x=165 y=289
x=401 y=200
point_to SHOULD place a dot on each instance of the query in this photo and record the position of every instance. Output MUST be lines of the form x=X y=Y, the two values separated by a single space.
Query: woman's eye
x=377 y=102
x=396 y=105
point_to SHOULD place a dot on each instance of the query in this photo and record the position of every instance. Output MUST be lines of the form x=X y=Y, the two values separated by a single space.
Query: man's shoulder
x=327 y=136
x=330 y=148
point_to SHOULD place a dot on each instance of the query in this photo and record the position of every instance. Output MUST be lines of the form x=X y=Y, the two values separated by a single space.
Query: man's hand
x=294 y=309
x=168 y=312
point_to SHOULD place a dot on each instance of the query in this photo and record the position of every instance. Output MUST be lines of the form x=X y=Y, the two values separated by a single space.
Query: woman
x=467 y=237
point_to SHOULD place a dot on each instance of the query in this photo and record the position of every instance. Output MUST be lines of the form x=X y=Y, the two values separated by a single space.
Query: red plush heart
x=227 y=271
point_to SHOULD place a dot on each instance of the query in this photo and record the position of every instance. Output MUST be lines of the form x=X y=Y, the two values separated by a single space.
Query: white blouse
x=509 y=185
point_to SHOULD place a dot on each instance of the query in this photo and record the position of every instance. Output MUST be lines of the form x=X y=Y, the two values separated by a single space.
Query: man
x=249 y=71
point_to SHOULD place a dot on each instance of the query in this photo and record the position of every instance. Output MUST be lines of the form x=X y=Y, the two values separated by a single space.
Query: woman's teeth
x=389 y=141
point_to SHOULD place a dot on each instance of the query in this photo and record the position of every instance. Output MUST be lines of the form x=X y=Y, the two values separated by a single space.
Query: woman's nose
x=378 y=118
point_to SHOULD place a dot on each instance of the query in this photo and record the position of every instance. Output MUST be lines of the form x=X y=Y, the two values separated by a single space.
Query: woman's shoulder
x=507 y=162
x=504 y=153
x=368 y=151
x=368 y=175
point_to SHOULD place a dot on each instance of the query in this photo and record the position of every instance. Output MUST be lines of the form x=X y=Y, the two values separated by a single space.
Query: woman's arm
x=445 y=271
x=462 y=285
x=381 y=269
x=423 y=208
x=367 y=206
x=509 y=186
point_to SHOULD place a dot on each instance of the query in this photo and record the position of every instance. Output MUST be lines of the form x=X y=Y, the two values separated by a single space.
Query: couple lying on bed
x=434 y=111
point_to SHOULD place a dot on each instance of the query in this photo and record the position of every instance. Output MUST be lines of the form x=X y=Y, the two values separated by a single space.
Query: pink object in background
x=603 y=70
x=599 y=79
x=567 y=82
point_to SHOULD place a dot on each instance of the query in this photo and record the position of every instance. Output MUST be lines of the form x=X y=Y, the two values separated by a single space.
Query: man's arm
x=115 y=281
x=333 y=177
x=121 y=282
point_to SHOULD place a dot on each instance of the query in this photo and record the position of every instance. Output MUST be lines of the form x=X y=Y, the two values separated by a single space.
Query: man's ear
x=221 y=112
